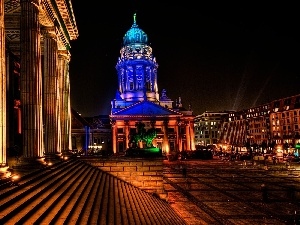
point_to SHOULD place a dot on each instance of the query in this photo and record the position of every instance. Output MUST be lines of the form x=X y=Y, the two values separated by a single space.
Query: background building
x=266 y=128
x=207 y=127
x=91 y=135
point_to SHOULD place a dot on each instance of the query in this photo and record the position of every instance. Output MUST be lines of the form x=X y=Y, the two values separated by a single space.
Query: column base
x=4 y=171
x=66 y=154
x=51 y=158
x=29 y=164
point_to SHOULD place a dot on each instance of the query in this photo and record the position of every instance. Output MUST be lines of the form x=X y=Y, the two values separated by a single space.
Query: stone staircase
x=74 y=192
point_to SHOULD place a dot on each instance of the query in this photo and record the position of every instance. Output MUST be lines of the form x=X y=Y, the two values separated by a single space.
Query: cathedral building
x=138 y=100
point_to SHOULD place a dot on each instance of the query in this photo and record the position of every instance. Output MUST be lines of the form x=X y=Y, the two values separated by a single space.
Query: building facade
x=35 y=113
x=207 y=127
x=138 y=100
x=269 y=127
x=91 y=135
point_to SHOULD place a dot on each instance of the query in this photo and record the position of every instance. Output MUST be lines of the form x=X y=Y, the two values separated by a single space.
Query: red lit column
x=178 y=137
x=31 y=81
x=187 y=135
x=65 y=106
x=192 y=135
x=126 y=134
x=3 y=159
x=166 y=147
x=114 y=137
x=50 y=94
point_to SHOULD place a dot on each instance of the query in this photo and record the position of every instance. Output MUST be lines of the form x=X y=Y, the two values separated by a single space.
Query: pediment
x=146 y=108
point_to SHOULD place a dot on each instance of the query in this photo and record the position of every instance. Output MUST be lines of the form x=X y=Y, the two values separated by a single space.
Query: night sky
x=214 y=56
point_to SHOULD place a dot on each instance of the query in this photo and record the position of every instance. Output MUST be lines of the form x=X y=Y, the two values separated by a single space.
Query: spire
x=134 y=18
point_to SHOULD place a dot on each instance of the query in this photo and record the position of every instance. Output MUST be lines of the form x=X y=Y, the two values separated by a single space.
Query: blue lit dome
x=135 y=34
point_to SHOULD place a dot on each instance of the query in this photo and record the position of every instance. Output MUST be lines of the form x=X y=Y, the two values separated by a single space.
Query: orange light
x=15 y=177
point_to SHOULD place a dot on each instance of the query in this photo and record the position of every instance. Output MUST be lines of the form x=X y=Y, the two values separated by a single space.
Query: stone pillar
x=64 y=106
x=114 y=136
x=187 y=136
x=126 y=134
x=31 y=81
x=3 y=159
x=166 y=146
x=192 y=135
x=178 y=137
x=50 y=94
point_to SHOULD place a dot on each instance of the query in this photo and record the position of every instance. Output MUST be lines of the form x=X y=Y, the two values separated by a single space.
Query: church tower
x=137 y=99
x=137 y=71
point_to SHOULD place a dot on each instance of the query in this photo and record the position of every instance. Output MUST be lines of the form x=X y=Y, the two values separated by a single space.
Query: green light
x=152 y=150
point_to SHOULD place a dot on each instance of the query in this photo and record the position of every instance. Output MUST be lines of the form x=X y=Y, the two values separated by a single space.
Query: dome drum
x=136 y=52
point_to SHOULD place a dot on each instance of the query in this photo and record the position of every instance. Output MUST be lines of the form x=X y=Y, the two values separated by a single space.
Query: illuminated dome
x=135 y=34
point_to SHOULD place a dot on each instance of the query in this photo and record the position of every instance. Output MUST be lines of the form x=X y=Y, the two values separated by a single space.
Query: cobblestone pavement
x=226 y=192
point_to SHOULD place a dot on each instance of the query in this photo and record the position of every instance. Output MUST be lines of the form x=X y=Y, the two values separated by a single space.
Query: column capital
x=64 y=54
x=49 y=32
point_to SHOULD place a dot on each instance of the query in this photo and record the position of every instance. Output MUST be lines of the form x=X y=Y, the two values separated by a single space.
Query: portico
x=35 y=41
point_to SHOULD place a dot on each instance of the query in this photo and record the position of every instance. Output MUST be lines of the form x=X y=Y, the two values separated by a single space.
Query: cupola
x=135 y=34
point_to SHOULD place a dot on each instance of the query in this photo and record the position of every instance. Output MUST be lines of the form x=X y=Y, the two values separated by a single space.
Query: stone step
x=63 y=199
x=22 y=201
x=75 y=192
x=100 y=197
x=82 y=202
x=87 y=204
x=35 y=176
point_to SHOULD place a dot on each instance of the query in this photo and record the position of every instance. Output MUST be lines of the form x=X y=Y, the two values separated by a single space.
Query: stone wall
x=144 y=173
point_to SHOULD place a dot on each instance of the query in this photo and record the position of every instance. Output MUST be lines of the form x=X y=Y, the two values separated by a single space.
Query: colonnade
x=184 y=141
x=44 y=88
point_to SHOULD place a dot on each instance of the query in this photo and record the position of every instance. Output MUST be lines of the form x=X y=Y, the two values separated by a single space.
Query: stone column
x=64 y=106
x=192 y=135
x=114 y=137
x=3 y=159
x=166 y=146
x=50 y=94
x=126 y=123
x=31 y=81
x=187 y=136
x=178 y=136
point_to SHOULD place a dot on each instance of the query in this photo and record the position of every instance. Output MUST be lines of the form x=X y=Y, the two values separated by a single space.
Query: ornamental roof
x=135 y=34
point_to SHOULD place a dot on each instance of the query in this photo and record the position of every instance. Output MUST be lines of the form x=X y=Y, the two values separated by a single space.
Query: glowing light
x=7 y=174
x=95 y=146
x=166 y=147
x=15 y=177
x=3 y=169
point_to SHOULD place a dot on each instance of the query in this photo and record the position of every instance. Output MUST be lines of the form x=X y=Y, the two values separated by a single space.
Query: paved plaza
x=228 y=192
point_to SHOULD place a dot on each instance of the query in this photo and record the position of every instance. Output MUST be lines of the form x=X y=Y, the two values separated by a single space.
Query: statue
x=144 y=136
